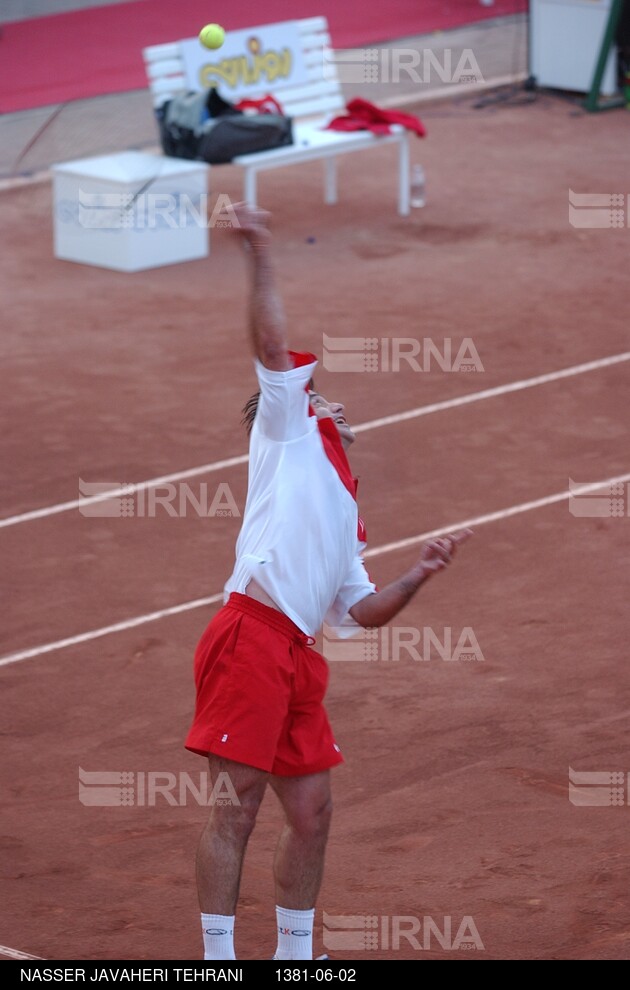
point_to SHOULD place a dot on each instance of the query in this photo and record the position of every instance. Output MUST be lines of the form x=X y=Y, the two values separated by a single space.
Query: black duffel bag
x=205 y=127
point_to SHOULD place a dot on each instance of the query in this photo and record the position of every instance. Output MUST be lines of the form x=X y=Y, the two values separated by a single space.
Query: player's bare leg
x=221 y=852
x=299 y=859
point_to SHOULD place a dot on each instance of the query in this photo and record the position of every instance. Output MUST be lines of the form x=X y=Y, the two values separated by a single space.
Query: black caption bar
x=334 y=972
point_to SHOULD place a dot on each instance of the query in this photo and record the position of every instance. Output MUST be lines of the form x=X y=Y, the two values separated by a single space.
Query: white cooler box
x=130 y=211
x=565 y=40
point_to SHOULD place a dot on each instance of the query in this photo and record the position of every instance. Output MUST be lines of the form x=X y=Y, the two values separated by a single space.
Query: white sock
x=295 y=934
x=218 y=936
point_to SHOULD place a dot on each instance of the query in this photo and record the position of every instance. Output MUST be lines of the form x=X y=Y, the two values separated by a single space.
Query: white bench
x=311 y=105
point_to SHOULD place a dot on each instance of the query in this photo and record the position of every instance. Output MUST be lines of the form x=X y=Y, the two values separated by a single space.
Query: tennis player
x=260 y=685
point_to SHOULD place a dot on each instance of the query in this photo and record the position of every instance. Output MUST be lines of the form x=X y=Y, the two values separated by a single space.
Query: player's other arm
x=380 y=608
x=267 y=321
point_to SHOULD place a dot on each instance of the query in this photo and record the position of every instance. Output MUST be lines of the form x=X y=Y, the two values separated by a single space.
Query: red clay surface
x=453 y=800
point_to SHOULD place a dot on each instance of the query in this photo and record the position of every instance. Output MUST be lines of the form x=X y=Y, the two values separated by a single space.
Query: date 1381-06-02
x=295 y=974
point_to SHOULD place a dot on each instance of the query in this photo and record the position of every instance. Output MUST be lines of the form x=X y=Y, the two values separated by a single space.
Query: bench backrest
x=318 y=97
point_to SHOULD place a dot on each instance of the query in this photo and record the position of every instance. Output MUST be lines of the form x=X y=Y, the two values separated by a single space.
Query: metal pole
x=592 y=100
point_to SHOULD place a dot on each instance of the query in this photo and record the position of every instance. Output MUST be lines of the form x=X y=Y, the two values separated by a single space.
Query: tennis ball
x=212 y=36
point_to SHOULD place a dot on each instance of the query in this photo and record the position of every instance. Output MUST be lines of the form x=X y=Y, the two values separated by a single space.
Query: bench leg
x=249 y=188
x=330 y=180
x=403 y=176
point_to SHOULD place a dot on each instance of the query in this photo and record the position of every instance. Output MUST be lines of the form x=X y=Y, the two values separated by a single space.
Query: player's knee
x=324 y=815
x=236 y=818
x=311 y=819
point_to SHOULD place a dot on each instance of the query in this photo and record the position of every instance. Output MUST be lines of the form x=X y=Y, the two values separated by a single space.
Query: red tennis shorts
x=260 y=690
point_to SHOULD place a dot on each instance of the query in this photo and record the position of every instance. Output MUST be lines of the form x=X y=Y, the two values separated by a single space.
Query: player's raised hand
x=438 y=553
x=252 y=224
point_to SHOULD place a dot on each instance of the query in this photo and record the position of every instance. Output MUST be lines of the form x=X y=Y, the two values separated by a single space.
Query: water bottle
x=418 y=186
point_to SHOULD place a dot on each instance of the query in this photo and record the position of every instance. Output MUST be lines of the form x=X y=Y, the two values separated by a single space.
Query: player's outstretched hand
x=252 y=224
x=438 y=553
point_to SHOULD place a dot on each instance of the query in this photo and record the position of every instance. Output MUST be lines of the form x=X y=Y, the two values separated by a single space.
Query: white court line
x=513 y=510
x=140 y=620
x=490 y=393
x=16 y=954
x=386 y=548
x=53 y=510
x=373 y=424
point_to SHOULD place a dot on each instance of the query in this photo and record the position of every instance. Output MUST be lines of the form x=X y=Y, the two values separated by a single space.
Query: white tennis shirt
x=301 y=538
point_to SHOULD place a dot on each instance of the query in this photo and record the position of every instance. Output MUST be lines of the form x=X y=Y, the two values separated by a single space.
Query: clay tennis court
x=453 y=801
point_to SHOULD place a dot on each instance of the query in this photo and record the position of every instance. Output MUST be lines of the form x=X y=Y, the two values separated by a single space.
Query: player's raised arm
x=267 y=319
x=380 y=608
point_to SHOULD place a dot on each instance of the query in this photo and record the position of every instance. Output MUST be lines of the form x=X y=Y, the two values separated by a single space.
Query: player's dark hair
x=249 y=411
x=251 y=406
